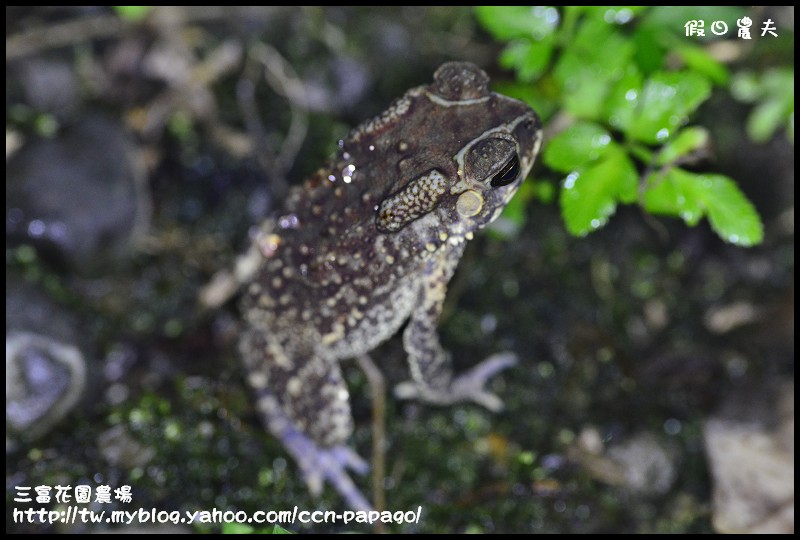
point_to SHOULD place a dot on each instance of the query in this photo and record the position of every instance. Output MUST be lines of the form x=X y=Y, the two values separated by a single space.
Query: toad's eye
x=507 y=174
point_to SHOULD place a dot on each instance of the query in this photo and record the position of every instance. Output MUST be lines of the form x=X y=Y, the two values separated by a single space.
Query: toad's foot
x=331 y=464
x=468 y=386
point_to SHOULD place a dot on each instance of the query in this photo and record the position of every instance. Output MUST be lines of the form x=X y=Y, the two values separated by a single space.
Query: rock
x=643 y=463
x=80 y=198
x=50 y=86
x=46 y=367
x=750 y=447
x=648 y=463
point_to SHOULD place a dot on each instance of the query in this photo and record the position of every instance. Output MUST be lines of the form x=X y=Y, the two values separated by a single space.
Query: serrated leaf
x=667 y=101
x=692 y=196
x=594 y=60
x=514 y=22
x=623 y=99
x=576 y=146
x=684 y=143
x=590 y=194
x=649 y=53
x=527 y=58
x=766 y=118
x=672 y=193
x=698 y=59
x=731 y=215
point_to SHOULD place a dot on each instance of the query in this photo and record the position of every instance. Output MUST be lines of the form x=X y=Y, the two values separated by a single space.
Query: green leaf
x=732 y=216
x=575 y=146
x=699 y=60
x=667 y=101
x=766 y=118
x=746 y=87
x=46 y=125
x=672 y=18
x=236 y=528
x=527 y=58
x=691 y=196
x=590 y=194
x=671 y=193
x=132 y=13
x=528 y=93
x=660 y=30
x=779 y=82
x=640 y=151
x=684 y=143
x=544 y=191
x=649 y=53
x=594 y=60
x=774 y=94
x=623 y=99
x=616 y=14
x=514 y=22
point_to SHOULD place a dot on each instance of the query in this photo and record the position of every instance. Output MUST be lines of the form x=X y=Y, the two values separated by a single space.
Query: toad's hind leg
x=306 y=406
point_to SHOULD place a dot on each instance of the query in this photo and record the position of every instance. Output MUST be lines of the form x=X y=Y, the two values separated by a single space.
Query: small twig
x=284 y=81
x=377 y=387
x=50 y=36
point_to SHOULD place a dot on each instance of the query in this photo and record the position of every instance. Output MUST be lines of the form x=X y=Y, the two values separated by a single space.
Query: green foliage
x=237 y=528
x=243 y=528
x=773 y=94
x=600 y=175
x=685 y=143
x=667 y=101
x=626 y=81
x=692 y=196
x=132 y=13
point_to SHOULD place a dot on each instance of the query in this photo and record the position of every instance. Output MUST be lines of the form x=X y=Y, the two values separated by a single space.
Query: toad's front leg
x=430 y=365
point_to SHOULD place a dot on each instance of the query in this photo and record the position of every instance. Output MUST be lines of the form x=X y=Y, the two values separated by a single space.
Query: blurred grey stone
x=648 y=463
x=45 y=378
x=750 y=447
x=50 y=86
x=46 y=369
x=80 y=198
x=643 y=463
